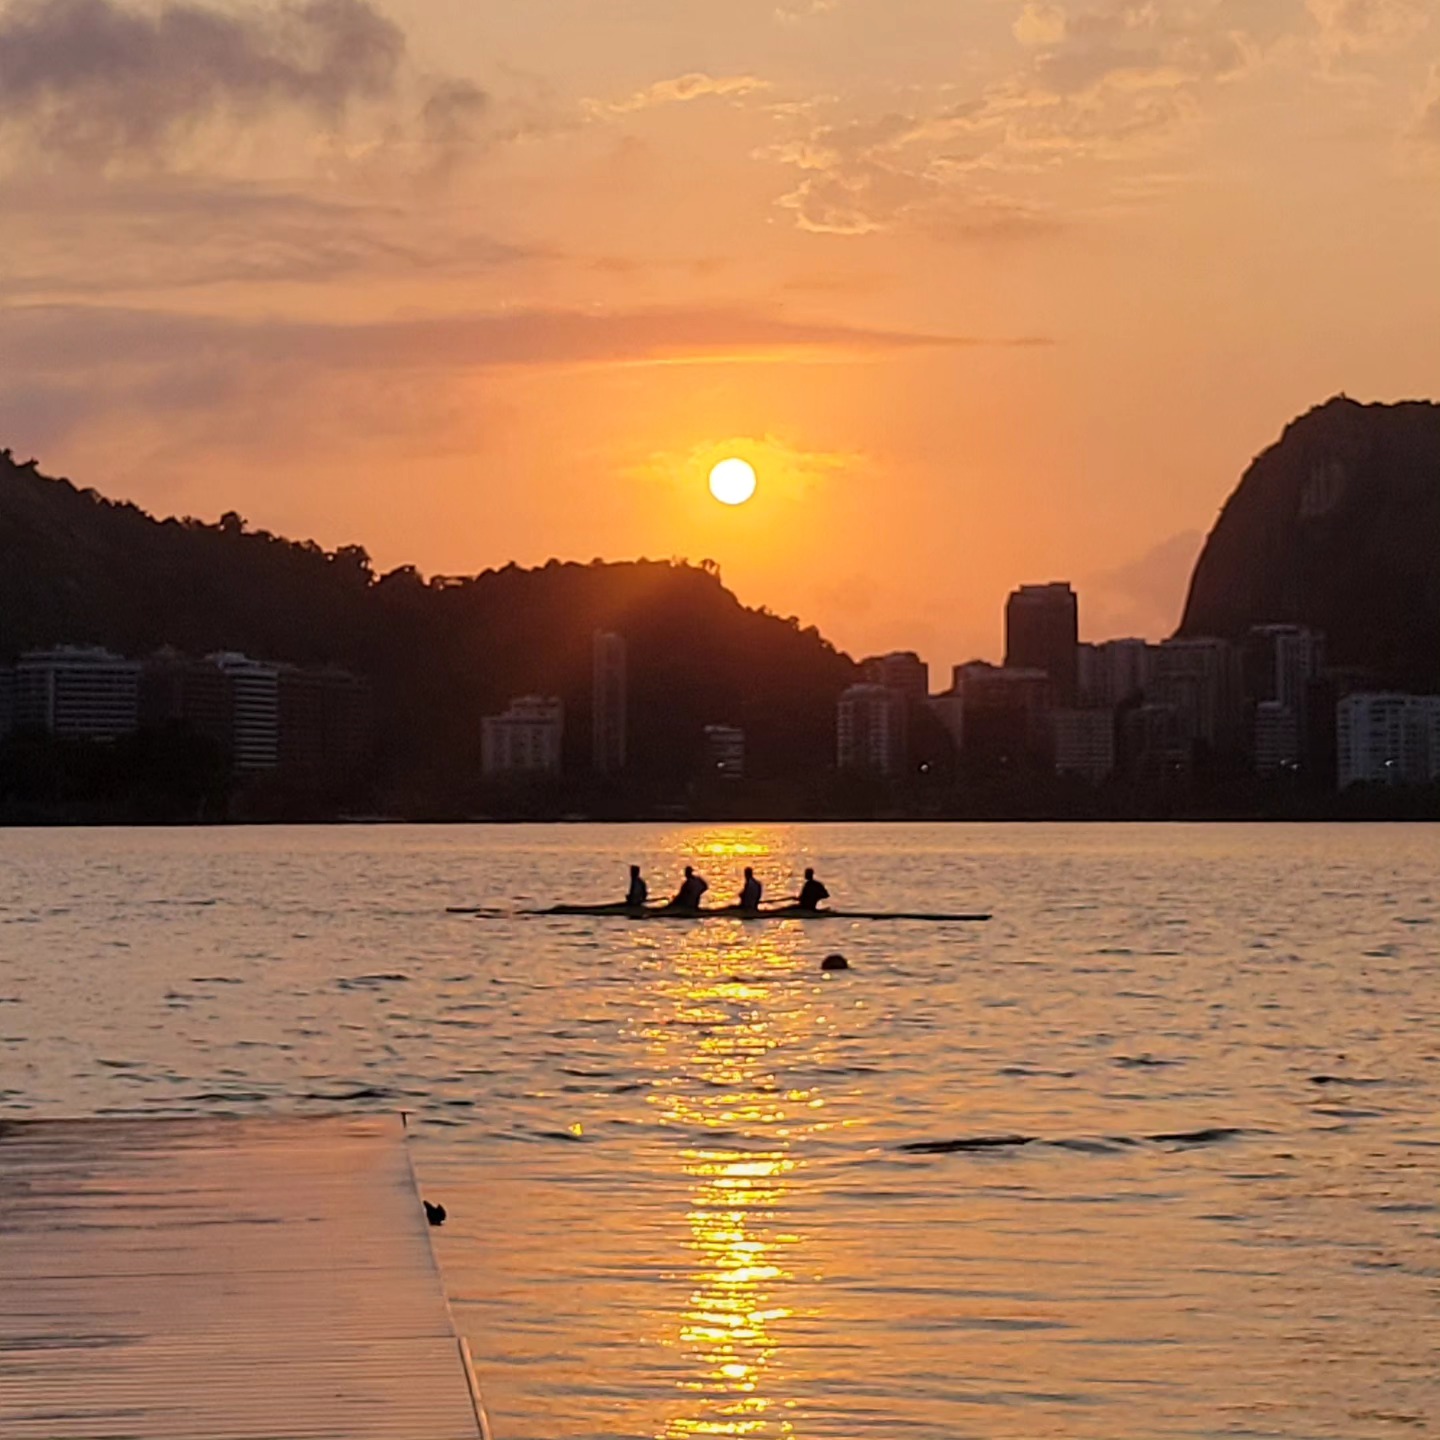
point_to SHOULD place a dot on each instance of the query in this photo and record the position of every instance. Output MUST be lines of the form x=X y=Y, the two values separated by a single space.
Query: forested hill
x=78 y=568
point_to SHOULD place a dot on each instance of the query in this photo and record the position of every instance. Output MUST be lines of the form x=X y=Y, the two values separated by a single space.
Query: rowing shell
x=723 y=912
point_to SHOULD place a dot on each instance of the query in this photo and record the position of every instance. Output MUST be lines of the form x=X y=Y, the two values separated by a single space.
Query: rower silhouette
x=750 y=891
x=639 y=891
x=692 y=887
x=812 y=892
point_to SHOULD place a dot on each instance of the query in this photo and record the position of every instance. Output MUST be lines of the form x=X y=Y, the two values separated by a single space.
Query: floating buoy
x=435 y=1214
x=834 y=962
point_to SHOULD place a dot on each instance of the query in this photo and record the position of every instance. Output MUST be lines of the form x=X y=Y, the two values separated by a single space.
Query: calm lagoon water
x=679 y=1160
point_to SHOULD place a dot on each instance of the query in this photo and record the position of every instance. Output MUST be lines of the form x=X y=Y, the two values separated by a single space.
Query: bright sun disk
x=732 y=482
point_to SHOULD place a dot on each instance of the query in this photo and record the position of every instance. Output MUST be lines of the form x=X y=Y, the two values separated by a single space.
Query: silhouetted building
x=1042 y=632
x=79 y=693
x=871 y=730
x=1388 y=739
x=608 y=700
x=901 y=670
x=254 y=690
x=1276 y=739
x=1006 y=712
x=949 y=709
x=326 y=721
x=1084 y=743
x=1280 y=666
x=178 y=689
x=1200 y=678
x=1113 y=672
x=525 y=740
x=316 y=723
x=725 y=752
x=1154 y=745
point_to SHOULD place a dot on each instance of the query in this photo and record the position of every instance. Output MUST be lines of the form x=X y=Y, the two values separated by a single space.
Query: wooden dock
x=222 y=1280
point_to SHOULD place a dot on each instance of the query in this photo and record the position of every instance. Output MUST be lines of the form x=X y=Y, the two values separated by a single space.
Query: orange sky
x=990 y=292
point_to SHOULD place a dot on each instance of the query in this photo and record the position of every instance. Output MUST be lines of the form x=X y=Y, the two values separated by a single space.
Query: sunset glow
x=1050 y=269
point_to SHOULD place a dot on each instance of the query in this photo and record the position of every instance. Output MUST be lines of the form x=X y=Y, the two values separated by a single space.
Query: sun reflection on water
x=732 y=1009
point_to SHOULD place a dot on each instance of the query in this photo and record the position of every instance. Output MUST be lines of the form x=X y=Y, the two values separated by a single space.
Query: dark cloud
x=70 y=339
x=148 y=382
x=91 y=79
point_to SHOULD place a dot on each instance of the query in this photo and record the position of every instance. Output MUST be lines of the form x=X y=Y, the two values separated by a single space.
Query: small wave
x=1211 y=1135
x=368 y=982
x=970 y=1142
x=360 y=1092
x=1345 y=1080
x=1143 y=1062
x=1092 y=1147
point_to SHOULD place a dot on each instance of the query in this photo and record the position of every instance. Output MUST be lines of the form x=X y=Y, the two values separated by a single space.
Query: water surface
x=1154 y=1153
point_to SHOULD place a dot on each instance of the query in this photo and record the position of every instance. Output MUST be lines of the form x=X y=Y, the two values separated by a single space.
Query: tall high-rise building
x=871 y=730
x=525 y=740
x=1042 y=632
x=81 y=693
x=1388 y=739
x=901 y=670
x=608 y=697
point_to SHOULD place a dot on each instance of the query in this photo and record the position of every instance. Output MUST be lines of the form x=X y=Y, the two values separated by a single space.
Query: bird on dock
x=435 y=1214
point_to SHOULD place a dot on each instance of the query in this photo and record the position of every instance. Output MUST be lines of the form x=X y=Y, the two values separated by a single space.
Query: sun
x=732 y=482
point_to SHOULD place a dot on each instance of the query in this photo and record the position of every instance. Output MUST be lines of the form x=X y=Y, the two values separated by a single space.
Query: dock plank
x=222 y=1280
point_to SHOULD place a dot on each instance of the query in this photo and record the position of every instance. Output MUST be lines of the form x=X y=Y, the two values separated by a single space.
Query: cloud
x=927 y=172
x=1352 y=27
x=794 y=12
x=1105 y=81
x=1143 y=597
x=1131 y=46
x=65 y=237
x=153 y=382
x=70 y=339
x=113 y=86
x=681 y=89
x=1039 y=25
x=1427 y=123
x=92 y=78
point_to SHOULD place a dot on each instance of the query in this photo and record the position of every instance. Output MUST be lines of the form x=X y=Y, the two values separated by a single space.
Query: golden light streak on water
x=719 y=1023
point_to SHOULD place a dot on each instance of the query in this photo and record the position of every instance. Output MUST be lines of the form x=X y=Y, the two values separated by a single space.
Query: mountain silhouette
x=1336 y=526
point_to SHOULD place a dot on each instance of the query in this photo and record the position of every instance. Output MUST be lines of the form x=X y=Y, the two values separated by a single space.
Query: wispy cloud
x=63 y=237
x=1099 y=81
x=680 y=90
